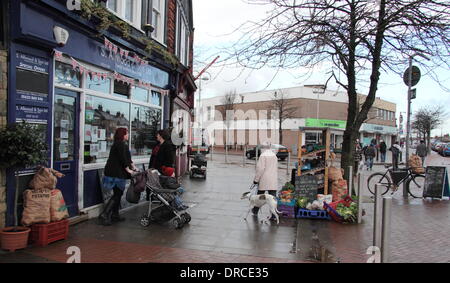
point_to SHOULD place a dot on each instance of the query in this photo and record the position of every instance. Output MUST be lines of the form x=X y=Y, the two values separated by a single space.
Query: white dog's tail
x=275 y=200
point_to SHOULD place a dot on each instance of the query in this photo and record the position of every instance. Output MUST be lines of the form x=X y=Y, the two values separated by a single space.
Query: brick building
x=81 y=69
x=312 y=108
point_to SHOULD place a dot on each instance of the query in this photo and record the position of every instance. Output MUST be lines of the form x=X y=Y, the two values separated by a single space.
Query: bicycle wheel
x=416 y=185
x=379 y=178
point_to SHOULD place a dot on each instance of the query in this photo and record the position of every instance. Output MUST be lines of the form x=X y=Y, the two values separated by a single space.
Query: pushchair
x=163 y=201
x=198 y=166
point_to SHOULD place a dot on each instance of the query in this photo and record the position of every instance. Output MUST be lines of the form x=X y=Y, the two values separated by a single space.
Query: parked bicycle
x=391 y=180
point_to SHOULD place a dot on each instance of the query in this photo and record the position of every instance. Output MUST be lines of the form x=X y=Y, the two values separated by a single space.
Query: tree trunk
x=280 y=132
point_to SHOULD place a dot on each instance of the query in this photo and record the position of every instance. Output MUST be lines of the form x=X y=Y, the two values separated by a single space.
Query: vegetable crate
x=44 y=234
x=331 y=208
x=287 y=211
x=282 y=202
x=314 y=214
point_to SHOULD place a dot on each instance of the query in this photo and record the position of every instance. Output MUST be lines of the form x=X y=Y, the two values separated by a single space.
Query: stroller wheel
x=178 y=223
x=186 y=217
x=145 y=221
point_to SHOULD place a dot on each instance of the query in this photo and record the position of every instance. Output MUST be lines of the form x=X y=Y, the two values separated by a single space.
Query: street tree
x=228 y=102
x=428 y=118
x=353 y=40
x=281 y=107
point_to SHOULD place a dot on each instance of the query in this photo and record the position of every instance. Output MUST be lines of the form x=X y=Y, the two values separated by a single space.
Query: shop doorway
x=66 y=145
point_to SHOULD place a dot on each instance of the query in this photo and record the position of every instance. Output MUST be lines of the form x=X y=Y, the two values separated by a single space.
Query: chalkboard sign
x=306 y=186
x=436 y=182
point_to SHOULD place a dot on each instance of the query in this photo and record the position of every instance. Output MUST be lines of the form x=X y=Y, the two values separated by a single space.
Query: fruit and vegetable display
x=348 y=213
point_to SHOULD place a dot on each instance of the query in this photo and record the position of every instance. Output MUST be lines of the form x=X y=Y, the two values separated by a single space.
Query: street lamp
x=200 y=112
x=408 y=121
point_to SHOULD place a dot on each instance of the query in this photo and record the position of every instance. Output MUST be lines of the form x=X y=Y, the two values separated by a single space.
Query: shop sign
x=31 y=114
x=379 y=129
x=32 y=77
x=323 y=123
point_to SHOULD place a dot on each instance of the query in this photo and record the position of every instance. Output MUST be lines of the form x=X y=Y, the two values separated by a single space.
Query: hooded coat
x=267 y=171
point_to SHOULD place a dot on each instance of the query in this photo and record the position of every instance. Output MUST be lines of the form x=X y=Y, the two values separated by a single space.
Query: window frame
x=83 y=92
x=136 y=12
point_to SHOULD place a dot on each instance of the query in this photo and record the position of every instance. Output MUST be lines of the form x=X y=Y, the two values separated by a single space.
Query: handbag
x=132 y=196
x=138 y=182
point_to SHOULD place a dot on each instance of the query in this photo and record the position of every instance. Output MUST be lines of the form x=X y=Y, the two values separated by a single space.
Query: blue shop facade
x=79 y=93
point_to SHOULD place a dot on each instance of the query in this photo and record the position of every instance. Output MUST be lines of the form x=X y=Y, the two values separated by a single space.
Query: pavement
x=218 y=232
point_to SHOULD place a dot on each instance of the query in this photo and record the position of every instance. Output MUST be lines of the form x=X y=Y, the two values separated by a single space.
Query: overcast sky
x=215 y=21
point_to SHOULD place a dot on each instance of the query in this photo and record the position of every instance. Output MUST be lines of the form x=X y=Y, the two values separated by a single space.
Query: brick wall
x=3 y=121
x=171 y=25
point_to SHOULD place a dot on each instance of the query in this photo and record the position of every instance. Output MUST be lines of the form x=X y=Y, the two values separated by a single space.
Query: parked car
x=445 y=149
x=438 y=147
x=282 y=152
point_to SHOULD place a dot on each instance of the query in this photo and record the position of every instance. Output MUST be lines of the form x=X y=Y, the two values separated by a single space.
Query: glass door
x=66 y=146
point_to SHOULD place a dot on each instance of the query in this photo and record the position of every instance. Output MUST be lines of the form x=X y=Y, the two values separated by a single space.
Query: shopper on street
x=383 y=149
x=266 y=174
x=164 y=161
x=118 y=169
x=422 y=151
x=370 y=155
x=395 y=149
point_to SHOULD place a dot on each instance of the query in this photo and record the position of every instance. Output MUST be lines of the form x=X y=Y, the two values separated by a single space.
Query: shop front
x=378 y=132
x=337 y=128
x=78 y=95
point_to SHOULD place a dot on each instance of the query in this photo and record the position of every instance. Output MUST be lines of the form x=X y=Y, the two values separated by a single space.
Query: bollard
x=377 y=217
x=350 y=181
x=256 y=156
x=359 y=199
x=386 y=229
x=243 y=156
x=288 y=163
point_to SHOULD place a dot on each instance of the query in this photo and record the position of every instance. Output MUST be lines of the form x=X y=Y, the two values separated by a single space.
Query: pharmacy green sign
x=323 y=123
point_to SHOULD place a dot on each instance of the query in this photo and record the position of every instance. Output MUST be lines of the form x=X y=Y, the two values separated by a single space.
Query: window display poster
x=94 y=133
x=64 y=134
x=63 y=149
x=102 y=147
x=87 y=133
x=94 y=149
x=89 y=116
x=101 y=134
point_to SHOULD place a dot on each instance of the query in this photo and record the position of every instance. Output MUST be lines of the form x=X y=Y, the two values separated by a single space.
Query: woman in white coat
x=266 y=173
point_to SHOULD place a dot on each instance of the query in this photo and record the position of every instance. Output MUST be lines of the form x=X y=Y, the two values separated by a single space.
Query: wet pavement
x=219 y=233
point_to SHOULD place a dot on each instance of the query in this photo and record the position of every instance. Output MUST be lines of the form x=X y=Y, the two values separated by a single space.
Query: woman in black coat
x=165 y=158
x=118 y=169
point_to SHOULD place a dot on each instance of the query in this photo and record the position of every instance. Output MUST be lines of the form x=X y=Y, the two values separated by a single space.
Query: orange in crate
x=44 y=234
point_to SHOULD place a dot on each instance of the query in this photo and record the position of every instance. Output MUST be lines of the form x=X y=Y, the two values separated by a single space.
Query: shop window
x=156 y=98
x=139 y=94
x=145 y=122
x=102 y=118
x=98 y=84
x=121 y=89
x=65 y=75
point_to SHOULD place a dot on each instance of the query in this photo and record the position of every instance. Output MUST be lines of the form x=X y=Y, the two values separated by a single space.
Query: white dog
x=261 y=200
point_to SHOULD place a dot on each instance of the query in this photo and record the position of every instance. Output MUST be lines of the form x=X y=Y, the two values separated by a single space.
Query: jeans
x=423 y=161
x=369 y=163
x=383 y=157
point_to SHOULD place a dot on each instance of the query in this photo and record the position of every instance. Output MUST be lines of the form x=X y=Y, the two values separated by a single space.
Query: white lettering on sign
x=73 y=5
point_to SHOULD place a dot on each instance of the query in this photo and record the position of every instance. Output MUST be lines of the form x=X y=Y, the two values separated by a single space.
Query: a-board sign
x=306 y=186
x=436 y=182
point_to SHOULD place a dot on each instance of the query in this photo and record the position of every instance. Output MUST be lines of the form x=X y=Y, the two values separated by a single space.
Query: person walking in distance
x=266 y=174
x=422 y=151
x=370 y=154
x=117 y=170
x=383 y=149
x=395 y=149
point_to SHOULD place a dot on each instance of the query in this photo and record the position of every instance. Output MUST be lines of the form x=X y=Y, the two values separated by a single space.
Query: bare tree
x=356 y=38
x=228 y=102
x=283 y=108
x=428 y=118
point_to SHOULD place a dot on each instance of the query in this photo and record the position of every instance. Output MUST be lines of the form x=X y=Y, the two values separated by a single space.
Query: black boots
x=110 y=213
x=105 y=218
